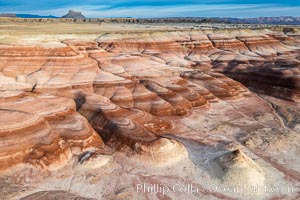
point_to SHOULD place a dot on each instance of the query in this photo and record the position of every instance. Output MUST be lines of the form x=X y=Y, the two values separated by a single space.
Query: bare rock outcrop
x=126 y=87
x=237 y=169
x=150 y=107
x=74 y=14
x=121 y=103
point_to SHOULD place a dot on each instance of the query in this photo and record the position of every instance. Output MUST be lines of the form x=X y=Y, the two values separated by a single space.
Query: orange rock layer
x=59 y=102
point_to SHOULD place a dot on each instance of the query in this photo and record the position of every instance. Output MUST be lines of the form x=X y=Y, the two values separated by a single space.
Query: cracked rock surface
x=94 y=117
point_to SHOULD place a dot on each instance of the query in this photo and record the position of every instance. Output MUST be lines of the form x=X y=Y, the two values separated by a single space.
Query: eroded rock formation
x=144 y=97
x=74 y=14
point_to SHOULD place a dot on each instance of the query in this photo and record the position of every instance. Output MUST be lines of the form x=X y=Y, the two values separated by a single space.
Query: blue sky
x=155 y=8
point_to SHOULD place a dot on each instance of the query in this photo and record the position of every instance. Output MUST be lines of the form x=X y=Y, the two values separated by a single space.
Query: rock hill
x=74 y=14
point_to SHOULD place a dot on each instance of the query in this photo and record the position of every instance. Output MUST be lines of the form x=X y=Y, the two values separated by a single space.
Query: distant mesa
x=8 y=15
x=284 y=20
x=74 y=14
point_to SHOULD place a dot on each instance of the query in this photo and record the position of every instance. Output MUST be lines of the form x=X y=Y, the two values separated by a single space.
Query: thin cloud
x=220 y=10
x=87 y=10
x=156 y=8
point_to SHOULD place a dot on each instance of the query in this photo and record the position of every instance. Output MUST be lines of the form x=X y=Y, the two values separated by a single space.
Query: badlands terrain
x=157 y=111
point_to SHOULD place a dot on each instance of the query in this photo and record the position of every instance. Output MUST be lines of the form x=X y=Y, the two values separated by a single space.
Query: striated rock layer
x=148 y=100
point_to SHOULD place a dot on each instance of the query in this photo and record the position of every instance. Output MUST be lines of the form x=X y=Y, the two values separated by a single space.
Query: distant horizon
x=33 y=14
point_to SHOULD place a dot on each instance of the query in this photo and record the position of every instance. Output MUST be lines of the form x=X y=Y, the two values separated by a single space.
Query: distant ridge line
x=53 y=19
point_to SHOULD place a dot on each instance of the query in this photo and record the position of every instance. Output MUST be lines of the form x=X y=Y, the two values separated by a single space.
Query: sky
x=155 y=8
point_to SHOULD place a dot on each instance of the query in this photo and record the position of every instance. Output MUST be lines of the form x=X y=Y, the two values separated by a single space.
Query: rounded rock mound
x=237 y=169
